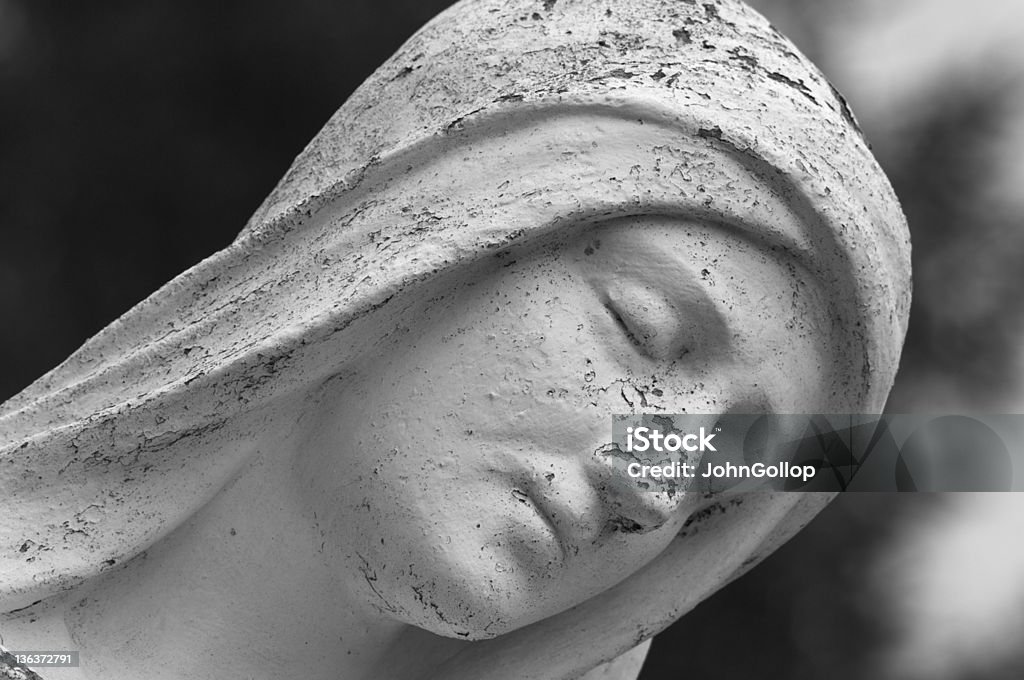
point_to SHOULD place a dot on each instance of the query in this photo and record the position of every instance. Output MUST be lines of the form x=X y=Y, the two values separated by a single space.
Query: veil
x=451 y=152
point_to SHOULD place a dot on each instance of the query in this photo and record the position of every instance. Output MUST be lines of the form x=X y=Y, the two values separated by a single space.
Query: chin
x=483 y=604
x=469 y=619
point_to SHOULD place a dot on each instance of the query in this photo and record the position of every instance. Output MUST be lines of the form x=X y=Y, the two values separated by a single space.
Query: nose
x=631 y=505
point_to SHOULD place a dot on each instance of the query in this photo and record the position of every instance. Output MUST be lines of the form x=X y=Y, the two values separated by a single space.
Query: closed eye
x=649 y=320
x=620 y=322
x=654 y=293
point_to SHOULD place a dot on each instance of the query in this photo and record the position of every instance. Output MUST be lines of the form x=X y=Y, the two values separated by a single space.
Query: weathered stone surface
x=533 y=215
x=10 y=669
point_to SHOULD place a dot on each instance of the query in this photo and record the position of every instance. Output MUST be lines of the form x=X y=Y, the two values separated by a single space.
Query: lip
x=576 y=517
x=549 y=510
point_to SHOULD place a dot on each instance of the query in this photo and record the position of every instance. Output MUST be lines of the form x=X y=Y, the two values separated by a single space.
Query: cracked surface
x=498 y=128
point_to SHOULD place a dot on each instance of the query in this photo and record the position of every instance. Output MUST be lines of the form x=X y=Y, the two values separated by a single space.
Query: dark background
x=137 y=138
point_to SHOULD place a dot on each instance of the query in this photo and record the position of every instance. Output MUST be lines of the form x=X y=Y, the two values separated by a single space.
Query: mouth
x=553 y=513
x=530 y=497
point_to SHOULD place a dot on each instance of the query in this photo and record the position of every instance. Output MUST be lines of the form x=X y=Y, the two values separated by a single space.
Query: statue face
x=454 y=475
x=529 y=219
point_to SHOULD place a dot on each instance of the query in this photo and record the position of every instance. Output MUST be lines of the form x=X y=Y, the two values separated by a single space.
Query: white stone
x=360 y=440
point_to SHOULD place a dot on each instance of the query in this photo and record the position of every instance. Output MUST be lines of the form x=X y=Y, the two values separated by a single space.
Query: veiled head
x=534 y=215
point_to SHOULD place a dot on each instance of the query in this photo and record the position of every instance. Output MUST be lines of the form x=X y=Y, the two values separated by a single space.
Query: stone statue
x=360 y=441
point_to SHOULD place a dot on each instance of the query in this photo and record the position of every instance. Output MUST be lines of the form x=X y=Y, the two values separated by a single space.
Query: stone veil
x=498 y=125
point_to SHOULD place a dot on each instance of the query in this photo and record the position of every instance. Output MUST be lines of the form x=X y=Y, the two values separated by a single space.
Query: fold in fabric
x=499 y=122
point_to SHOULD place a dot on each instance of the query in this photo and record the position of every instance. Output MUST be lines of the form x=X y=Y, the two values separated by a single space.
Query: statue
x=360 y=441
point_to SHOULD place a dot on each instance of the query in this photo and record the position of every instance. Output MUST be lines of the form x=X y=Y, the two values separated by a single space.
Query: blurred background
x=137 y=138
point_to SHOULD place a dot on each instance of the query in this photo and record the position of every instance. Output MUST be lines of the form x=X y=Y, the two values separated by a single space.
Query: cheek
x=528 y=352
x=785 y=344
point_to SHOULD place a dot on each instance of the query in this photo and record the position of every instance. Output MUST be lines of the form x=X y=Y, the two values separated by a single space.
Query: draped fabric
x=10 y=668
x=434 y=163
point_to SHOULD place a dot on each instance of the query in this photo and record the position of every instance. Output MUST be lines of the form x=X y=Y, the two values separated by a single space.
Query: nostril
x=629 y=505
